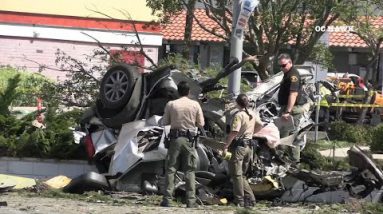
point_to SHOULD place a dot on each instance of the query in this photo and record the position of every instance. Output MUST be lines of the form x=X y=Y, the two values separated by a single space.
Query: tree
x=279 y=25
x=168 y=8
x=364 y=19
x=275 y=25
x=322 y=55
x=83 y=76
x=30 y=87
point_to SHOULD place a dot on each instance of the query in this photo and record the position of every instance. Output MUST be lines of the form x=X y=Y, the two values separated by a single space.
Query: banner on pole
x=246 y=9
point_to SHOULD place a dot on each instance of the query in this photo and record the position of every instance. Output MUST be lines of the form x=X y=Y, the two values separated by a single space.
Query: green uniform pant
x=296 y=113
x=181 y=153
x=238 y=166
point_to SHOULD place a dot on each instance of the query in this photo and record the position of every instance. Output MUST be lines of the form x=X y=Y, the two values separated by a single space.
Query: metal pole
x=236 y=46
x=317 y=109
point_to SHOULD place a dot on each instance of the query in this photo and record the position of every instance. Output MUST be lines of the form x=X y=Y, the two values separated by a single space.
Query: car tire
x=117 y=86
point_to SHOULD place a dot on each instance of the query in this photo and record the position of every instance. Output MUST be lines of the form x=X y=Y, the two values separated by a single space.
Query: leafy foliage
x=272 y=27
x=18 y=137
x=352 y=133
x=177 y=60
x=313 y=160
x=9 y=95
x=30 y=87
x=322 y=56
x=377 y=139
x=164 y=8
x=364 y=20
x=82 y=84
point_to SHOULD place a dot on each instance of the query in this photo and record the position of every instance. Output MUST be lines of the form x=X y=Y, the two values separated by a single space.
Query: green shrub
x=30 y=86
x=352 y=133
x=34 y=144
x=311 y=157
x=376 y=144
x=8 y=146
x=179 y=61
x=18 y=138
x=313 y=160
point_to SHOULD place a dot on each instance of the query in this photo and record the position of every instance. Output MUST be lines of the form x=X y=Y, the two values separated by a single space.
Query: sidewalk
x=341 y=153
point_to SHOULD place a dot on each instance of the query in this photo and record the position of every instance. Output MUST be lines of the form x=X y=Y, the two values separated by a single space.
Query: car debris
x=18 y=182
x=126 y=143
x=90 y=181
x=58 y=182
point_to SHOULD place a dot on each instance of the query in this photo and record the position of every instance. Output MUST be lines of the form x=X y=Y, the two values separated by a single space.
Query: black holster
x=241 y=142
x=176 y=133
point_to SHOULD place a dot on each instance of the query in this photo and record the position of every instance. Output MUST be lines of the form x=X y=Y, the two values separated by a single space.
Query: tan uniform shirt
x=244 y=126
x=183 y=113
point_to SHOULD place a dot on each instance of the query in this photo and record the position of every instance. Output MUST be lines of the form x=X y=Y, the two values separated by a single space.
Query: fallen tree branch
x=101 y=46
x=127 y=15
x=43 y=66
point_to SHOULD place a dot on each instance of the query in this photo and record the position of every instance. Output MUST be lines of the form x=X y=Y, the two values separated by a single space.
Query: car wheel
x=117 y=86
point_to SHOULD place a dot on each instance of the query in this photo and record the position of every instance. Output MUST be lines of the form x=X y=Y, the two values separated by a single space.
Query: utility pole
x=242 y=10
x=236 y=46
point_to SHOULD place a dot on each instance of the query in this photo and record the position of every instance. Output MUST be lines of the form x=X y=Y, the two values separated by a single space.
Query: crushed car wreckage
x=126 y=143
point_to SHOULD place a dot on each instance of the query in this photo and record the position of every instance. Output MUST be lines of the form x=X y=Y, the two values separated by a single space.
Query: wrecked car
x=126 y=143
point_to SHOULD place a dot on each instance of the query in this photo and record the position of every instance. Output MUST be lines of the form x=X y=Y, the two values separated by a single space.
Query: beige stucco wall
x=83 y=8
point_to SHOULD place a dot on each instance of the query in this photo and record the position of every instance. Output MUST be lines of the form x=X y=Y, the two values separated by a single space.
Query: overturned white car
x=126 y=143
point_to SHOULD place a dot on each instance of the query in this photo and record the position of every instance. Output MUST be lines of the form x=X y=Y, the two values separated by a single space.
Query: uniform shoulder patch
x=236 y=121
x=294 y=79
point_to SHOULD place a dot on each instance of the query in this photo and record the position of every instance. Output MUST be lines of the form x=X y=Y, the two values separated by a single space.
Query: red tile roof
x=174 y=30
x=347 y=39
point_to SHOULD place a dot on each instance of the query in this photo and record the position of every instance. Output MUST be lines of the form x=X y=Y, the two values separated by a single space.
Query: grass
x=325 y=144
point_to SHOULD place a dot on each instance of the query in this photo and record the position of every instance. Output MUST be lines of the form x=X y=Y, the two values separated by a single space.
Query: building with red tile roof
x=175 y=29
x=350 y=51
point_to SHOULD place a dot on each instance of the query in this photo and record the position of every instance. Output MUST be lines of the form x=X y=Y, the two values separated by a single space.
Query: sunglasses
x=283 y=65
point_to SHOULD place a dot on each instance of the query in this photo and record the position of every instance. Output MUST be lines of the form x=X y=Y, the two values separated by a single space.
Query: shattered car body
x=128 y=148
x=363 y=182
x=134 y=159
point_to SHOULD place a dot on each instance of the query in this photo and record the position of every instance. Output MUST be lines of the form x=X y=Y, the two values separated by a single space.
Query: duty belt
x=175 y=133
x=242 y=142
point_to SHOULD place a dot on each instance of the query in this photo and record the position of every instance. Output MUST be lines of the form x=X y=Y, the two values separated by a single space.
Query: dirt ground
x=19 y=203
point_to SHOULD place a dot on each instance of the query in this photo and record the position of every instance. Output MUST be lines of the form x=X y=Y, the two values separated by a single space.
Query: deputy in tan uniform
x=183 y=115
x=244 y=124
